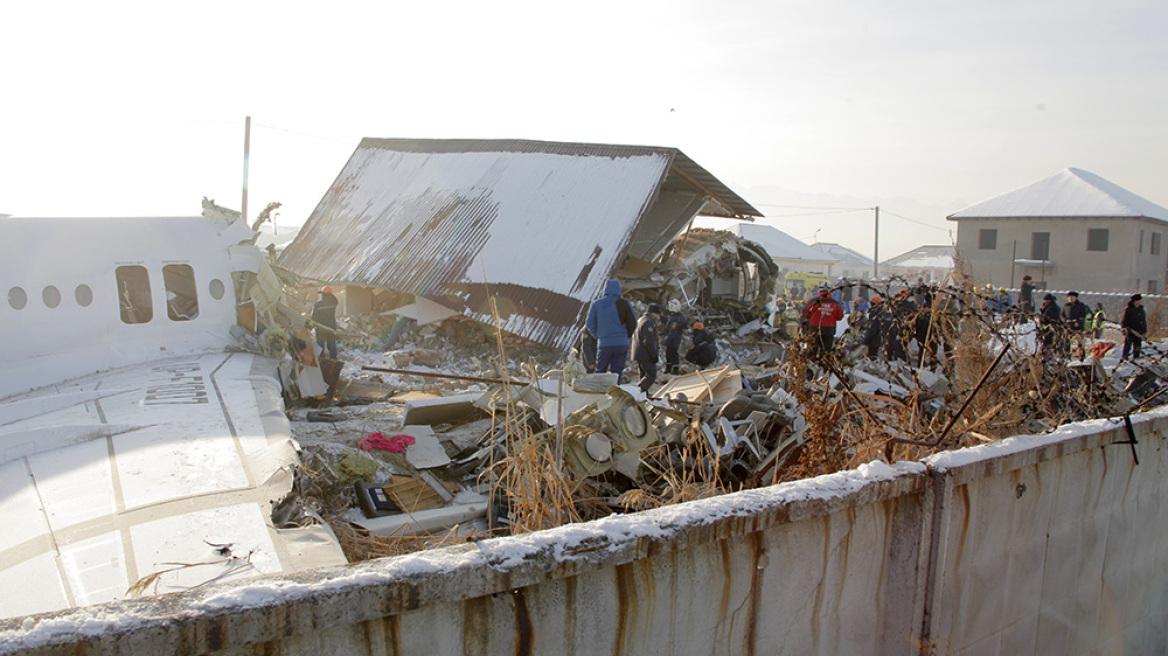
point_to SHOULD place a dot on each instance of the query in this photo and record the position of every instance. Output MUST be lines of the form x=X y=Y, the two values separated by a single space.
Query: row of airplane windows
x=135 y=298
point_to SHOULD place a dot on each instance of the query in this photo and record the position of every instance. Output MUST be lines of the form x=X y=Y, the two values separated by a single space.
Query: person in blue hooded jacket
x=611 y=321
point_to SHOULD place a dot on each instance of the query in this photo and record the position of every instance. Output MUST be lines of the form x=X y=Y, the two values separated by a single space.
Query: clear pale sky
x=921 y=107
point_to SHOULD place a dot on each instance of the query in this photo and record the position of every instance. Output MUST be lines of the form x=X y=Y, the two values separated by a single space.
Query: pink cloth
x=393 y=443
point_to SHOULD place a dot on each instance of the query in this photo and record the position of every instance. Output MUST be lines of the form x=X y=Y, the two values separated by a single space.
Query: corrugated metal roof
x=1069 y=193
x=538 y=225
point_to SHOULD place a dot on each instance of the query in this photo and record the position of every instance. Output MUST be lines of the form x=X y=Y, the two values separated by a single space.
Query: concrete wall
x=1038 y=544
x=1124 y=267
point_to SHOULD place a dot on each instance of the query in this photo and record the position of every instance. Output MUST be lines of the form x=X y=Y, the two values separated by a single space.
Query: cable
x=301 y=134
x=786 y=216
x=921 y=223
x=811 y=207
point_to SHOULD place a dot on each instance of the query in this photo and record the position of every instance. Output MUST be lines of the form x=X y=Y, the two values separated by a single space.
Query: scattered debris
x=510 y=436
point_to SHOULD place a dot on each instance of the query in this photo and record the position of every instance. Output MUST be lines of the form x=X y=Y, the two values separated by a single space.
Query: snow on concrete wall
x=1037 y=544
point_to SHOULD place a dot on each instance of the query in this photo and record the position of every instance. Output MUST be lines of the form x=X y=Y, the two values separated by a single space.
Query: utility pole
x=876 y=246
x=246 y=156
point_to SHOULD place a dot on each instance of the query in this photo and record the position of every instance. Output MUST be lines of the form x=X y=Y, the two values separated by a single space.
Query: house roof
x=938 y=256
x=1068 y=193
x=779 y=244
x=537 y=225
x=842 y=254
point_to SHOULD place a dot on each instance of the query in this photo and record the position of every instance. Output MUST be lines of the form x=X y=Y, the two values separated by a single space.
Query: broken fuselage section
x=137 y=455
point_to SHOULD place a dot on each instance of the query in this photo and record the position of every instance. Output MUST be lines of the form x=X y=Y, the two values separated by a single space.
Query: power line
x=920 y=223
x=301 y=134
x=787 y=216
x=812 y=207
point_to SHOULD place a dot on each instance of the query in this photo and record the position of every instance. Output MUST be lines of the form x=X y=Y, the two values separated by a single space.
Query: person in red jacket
x=822 y=314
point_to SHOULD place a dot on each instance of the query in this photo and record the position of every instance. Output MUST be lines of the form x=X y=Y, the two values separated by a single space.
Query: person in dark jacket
x=1026 y=296
x=324 y=314
x=588 y=351
x=704 y=350
x=1050 y=321
x=611 y=321
x=644 y=348
x=1134 y=325
x=898 y=326
x=1074 y=320
x=822 y=315
x=675 y=326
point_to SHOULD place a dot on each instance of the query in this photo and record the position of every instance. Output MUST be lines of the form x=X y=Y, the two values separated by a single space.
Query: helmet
x=326 y=290
x=877 y=299
x=654 y=308
x=674 y=305
x=698 y=325
x=1001 y=289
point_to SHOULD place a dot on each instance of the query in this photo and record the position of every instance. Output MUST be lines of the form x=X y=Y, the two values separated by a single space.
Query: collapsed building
x=522 y=234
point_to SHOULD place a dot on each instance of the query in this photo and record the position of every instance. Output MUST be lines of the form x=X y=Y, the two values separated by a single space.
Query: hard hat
x=698 y=325
x=1001 y=289
x=674 y=305
x=327 y=290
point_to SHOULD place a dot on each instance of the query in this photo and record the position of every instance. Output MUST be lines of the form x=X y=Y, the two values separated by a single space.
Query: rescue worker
x=1002 y=301
x=1075 y=314
x=705 y=349
x=324 y=314
x=611 y=321
x=1134 y=325
x=674 y=328
x=1098 y=319
x=644 y=347
x=822 y=315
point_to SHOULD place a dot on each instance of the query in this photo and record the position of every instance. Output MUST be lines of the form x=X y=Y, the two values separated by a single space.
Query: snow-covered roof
x=842 y=254
x=540 y=225
x=778 y=244
x=925 y=257
x=1068 y=193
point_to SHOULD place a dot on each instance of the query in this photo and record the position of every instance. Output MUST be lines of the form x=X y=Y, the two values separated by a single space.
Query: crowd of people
x=925 y=317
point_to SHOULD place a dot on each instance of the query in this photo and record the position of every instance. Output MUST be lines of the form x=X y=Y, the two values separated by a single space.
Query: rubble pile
x=442 y=440
x=434 y=428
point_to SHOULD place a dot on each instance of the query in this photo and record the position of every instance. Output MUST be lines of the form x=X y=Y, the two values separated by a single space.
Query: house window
x=987 y=239
x=1040 y=246
x=1097 y=239
x=1155 y=243
x=1153 y=286
x=1141 y=250
x=182 y=300
x=134 y=294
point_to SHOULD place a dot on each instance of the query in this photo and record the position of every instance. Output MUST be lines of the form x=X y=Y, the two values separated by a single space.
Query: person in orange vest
x=822 y=315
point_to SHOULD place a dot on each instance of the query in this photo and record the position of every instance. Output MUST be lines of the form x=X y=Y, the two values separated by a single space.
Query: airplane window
x=17 y=298
x=182 y=301
x=84 y=295
x=216 y=288
x=51 y=296
x=134 y=294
